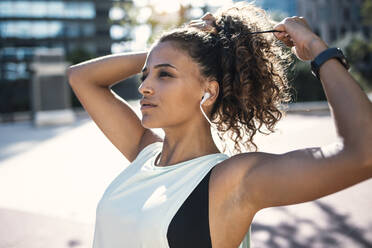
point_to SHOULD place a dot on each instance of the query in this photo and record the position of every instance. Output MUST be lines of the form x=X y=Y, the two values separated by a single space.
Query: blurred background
x=55 y=163
x=84 y=29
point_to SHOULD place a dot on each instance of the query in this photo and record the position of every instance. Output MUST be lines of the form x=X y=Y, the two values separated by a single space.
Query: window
x=355 y=12
x=19 y=53
x=366 y=31
x=88 y=30
x=346 y=14
x=13 y=71
x=343 y=31
x=30 y=29
x=72 y=30
x=324 y=13
x=59 y=9
x=353 y=28
x=8 y=53
x=332 y=34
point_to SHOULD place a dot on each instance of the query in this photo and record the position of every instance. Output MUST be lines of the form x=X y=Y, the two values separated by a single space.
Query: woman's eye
x=161 y=74
x=164 y=74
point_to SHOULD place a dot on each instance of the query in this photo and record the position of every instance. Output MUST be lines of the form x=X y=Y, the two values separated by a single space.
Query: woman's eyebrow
x=160 y=65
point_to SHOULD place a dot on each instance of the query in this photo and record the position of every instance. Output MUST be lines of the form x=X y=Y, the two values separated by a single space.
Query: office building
x=287 y=7
x=68 y=24
x=332 y=19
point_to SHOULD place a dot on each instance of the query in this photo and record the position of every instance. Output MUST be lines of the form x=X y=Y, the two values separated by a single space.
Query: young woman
x=180 y=190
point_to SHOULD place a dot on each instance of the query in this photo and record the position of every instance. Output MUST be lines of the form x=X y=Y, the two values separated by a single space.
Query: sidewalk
x=52 y=178
x=24 y=229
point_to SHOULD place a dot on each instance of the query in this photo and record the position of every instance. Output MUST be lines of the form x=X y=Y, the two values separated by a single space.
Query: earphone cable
x=201 y=108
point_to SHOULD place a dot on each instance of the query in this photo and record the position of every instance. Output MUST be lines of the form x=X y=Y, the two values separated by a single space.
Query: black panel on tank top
x=190 y=225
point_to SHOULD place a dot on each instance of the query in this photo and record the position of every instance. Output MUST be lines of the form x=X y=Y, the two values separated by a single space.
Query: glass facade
x=27 y=29
x=27 y=25
x=45 y=9
x=15 y=71
x=334 y=19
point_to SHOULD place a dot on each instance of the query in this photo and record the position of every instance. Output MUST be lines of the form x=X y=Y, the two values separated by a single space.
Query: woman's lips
x=147 y=106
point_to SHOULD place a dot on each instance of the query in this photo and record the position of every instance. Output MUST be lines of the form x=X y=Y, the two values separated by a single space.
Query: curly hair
x=251 y=70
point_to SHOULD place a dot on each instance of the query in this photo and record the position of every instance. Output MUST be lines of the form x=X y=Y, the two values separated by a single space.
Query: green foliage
x=358 y=51
x=74 y=57
x=367 y=12
x=79 y=55
x=158 y=22
x=305 y=86
x=364 y=82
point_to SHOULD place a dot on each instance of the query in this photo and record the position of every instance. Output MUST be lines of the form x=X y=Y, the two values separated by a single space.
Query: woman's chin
x=148 y=124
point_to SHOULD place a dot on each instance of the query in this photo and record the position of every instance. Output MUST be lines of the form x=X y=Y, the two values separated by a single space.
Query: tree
x=358 y=51
x=367 y=12
x=78 y=55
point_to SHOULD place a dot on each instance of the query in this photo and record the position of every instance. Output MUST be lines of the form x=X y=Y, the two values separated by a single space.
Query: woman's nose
x=145 y=89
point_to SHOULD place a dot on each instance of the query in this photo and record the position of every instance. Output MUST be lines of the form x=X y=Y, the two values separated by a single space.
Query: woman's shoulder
x=239 y=159
x=235 y=167
x=228 y=182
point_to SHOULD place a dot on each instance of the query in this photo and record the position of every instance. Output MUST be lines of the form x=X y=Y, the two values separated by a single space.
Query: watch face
x=346 y=64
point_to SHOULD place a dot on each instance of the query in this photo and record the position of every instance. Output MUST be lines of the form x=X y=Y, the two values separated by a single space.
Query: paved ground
x=51 y=179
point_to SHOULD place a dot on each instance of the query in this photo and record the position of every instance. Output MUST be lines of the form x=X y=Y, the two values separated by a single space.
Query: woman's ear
x=213 y=90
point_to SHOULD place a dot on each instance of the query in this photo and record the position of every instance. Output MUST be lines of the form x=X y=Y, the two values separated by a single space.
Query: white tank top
x=137 y=207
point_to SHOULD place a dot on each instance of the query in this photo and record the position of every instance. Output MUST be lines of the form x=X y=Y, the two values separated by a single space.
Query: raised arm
x=307 y=174
x=91 y=81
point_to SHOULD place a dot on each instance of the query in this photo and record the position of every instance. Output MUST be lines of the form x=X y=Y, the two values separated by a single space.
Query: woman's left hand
x=296 y=33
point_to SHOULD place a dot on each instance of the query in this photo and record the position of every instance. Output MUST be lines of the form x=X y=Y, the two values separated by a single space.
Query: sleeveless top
x=148 y=206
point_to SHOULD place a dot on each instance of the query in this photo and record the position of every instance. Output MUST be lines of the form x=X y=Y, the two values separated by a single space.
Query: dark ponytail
x=250 y=70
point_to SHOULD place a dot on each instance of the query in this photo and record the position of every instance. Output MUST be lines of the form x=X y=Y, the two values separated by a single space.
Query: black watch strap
x=326 y=55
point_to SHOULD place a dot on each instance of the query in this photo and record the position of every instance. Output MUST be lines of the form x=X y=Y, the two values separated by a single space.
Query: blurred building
x=287 y=7
x=332 y=19
x=68 y=24
x=82 y=29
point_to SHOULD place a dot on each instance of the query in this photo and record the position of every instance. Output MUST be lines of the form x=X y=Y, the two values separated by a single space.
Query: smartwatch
x=326 y=55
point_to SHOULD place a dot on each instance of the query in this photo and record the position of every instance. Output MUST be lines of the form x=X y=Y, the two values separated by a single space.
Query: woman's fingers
x=208 y=17
x=195 y=21
x=283 y=35
x=200 y=25
x=288 y=40
x=280 y=27
x=204 y=23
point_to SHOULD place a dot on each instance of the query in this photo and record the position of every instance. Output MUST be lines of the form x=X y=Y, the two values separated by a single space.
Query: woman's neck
x=188 y=144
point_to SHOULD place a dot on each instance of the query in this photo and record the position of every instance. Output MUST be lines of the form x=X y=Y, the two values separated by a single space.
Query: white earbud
x=205 y=97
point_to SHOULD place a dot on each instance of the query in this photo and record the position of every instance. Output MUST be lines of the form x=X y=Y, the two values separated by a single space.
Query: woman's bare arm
x=308 y=174
x=108 y=70
x=91 y=81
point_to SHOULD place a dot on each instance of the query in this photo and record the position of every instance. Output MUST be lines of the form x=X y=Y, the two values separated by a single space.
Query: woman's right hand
x=205 y=23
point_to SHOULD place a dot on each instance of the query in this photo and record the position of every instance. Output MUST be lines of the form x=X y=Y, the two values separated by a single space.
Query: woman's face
x=171 y=82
